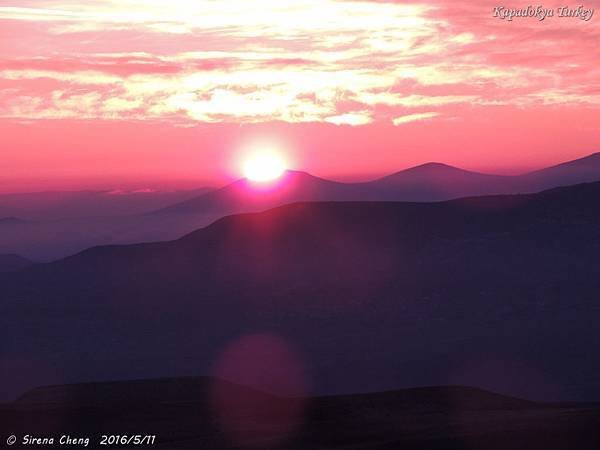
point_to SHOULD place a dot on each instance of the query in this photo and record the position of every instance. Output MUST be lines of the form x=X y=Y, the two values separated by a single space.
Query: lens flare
x=259 y=391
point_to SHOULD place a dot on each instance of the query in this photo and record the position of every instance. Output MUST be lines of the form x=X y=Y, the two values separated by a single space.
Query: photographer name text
x=71 y=441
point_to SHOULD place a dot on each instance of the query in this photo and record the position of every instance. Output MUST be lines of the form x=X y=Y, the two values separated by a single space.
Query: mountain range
x=498 y=292
x=62 y=224
x=424 y=183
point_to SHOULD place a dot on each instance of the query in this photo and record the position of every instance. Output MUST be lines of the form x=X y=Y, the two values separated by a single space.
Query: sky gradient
x=106 y=93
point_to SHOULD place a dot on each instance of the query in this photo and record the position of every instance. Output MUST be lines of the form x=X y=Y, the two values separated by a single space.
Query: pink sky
x=110 y=93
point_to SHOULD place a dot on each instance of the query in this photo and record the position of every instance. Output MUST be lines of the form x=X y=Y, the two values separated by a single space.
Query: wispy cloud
x=414 y=117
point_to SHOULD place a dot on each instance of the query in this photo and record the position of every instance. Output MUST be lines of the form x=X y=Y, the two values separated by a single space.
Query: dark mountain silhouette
x=58 y=225
x=427 y=182
x=498 y=292
x=245 y=196
x=186 y=389
x=435 y=182
x=583 y=170
x=181 y=414
x=151 y=391
x=13 y=263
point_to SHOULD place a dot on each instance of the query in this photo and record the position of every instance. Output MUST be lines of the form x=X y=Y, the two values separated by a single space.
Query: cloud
x=123 y=66
x=414 y=117
x=356 y=118
x=333 y=61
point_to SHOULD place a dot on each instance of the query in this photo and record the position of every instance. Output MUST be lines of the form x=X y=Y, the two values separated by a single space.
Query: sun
x=264 y=166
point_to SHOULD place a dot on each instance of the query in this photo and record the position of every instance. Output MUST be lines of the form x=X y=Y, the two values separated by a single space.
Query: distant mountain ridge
x=246 y=196
x=582 y=170
x=54 y=205
x=62 y=224
x=424 y=183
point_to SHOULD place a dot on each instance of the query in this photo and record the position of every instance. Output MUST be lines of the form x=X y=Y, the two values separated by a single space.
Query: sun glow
x=264 y=166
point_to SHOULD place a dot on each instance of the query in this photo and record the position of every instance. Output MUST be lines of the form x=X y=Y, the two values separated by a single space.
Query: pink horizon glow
x=148 y=94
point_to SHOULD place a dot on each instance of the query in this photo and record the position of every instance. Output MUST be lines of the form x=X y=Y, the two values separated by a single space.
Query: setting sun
x=264 y=166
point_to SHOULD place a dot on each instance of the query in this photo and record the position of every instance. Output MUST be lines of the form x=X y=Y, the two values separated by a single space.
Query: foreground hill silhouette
x=497 y=292
x=180 y=413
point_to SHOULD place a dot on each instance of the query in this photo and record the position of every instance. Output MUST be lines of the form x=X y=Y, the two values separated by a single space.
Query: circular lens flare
x=264 y=166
